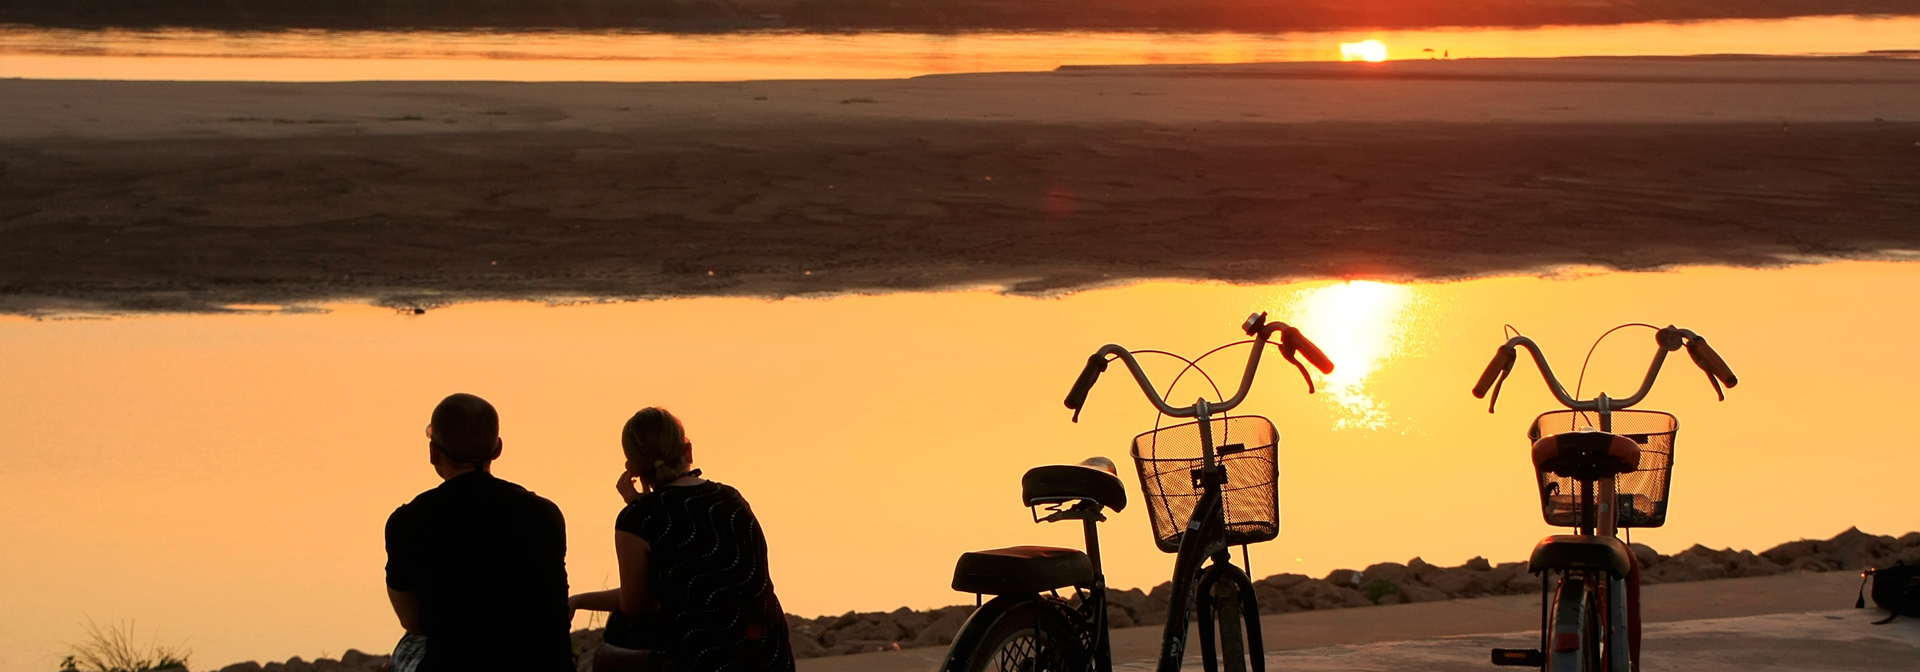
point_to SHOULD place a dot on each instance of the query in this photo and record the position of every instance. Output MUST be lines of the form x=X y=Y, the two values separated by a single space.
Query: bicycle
x=1597 y=480
x=1205 y=499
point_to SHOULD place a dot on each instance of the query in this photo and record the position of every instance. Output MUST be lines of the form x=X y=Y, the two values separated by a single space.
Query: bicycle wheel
x=1037 y=636
x=1578 y=626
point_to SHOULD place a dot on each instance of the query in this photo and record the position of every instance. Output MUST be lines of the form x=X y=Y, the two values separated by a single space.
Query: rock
x=1390 y=572
x=1787 y=553
x=1910 y=539
x=1272 y=600
x=1344 y=577
x=1645 y=554
x=1419 y=593
x=1462 y=581
x=1421 y=570
x=295 y=664
x=805 y=646
x=249 y=666
x=354 y=657
x=1284 y=581
x=1118 y=617
x=1504 y=578
x=945 y=624
x=1477 y=564
x=326 y=665
x=1390 y=598
x=1324 y=595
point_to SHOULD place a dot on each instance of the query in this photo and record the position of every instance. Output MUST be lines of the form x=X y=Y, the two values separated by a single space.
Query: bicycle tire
x=1570 y=614
x=1229 y=617
x=1035 y=636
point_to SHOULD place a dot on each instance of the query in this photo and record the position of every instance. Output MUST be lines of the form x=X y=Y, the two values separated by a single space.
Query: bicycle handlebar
x=1669 y=339
x=1257 y=326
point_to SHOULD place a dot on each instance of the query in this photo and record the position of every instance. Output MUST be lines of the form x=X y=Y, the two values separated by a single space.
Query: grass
x=111 y=649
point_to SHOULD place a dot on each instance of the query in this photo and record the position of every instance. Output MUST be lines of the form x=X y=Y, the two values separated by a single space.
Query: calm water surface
x=642 y=56
x=224 y=479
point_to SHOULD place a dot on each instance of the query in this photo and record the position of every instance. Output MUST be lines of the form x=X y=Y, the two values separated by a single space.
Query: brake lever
x=1494 y=396
x=1287 y=352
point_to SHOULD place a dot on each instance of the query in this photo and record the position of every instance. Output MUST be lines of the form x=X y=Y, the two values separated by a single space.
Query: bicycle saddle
x=1021 y=569
x=1586 y=455
x=1093 y=478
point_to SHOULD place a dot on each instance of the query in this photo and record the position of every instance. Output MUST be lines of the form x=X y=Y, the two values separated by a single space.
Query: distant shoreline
x=707 y=16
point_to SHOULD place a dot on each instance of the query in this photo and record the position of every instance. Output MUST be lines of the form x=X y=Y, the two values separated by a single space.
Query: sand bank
x=188 y=196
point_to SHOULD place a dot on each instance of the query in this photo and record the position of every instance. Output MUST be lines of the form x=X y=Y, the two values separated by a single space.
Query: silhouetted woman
x=694 y=591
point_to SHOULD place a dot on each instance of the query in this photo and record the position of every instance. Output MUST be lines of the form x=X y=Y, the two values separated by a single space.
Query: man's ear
x=434 y=456
x=689 y=453
x=498 y=445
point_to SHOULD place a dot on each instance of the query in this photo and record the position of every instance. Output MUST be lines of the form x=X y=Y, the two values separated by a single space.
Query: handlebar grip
x=1710 y=361
x=1291 y=337
x=1502 y=362
x=1078 y=396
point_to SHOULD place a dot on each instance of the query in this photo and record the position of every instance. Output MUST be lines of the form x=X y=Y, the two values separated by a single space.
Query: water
x=641 y=56
x=223 y=479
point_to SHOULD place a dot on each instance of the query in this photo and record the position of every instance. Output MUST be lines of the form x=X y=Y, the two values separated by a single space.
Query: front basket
x=1248 y=448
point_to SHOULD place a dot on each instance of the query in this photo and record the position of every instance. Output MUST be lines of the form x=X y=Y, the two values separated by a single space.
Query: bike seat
x=1586 y=455
x=1581 y=551
x=1093 y=478
x=1021 y=569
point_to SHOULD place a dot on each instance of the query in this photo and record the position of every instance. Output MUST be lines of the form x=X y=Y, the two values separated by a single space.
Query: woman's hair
x=656 y=444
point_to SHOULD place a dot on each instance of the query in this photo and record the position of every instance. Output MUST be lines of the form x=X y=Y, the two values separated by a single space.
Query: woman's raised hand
x=628 y=493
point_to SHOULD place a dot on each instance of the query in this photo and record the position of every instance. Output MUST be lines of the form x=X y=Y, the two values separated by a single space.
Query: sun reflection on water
x=1361 y=326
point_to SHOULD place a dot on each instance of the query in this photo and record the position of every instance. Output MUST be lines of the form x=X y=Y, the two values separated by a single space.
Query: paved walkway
x=1776 y=622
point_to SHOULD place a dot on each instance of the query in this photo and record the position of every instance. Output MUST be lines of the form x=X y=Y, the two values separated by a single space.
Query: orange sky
x=224 y=479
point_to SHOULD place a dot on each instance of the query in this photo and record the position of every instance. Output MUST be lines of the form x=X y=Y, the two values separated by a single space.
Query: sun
x=1371 y=51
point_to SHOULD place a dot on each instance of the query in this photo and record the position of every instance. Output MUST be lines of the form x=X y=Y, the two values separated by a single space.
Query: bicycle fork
x=1203 y=540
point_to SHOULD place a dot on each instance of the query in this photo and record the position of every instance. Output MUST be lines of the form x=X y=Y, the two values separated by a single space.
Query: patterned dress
x=707 y=570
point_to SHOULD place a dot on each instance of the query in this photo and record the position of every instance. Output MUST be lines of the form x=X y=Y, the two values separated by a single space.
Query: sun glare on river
x=1361 y=326
x=1371 y=51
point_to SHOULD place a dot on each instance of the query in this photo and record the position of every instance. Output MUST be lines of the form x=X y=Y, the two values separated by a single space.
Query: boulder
x=1345 y=577
x=1910 y=539
x=1646 y=555
x=1324 y=595
x=945 y=623
x=1390 y=598
x=355 y=658
x=1284 y=581
x=1787 y=553
x=1460 y=582
x=1477 y=564
x=1421 y=570
x=1390 y=572
x=249 y=666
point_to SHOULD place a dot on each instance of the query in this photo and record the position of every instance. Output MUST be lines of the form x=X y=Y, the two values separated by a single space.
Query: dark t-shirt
x=487 y=560
x=707 y=569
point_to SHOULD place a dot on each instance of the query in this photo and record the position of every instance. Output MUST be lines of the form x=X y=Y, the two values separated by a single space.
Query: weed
x=111 y=649
x=1379 y=588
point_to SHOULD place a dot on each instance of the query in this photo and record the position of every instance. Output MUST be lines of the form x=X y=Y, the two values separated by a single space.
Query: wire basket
x=1169 y=459
x=1641 y=494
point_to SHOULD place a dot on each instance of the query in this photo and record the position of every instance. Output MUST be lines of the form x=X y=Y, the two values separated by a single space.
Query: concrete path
x=1777 y=622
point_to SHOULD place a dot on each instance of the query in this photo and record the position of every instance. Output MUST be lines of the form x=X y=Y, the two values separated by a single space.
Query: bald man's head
x=466 y=429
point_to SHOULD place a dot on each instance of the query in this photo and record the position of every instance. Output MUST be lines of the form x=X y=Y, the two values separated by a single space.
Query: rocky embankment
x=1381 y=584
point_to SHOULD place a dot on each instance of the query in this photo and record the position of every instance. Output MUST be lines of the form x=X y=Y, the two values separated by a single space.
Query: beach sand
x=1790 y=621
x=122 y=196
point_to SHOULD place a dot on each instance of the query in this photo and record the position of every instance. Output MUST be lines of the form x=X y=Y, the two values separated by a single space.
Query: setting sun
x=1360 y=325
x=1371 y=51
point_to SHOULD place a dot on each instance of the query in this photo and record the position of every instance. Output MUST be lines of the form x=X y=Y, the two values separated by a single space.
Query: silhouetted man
x=478 y=565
